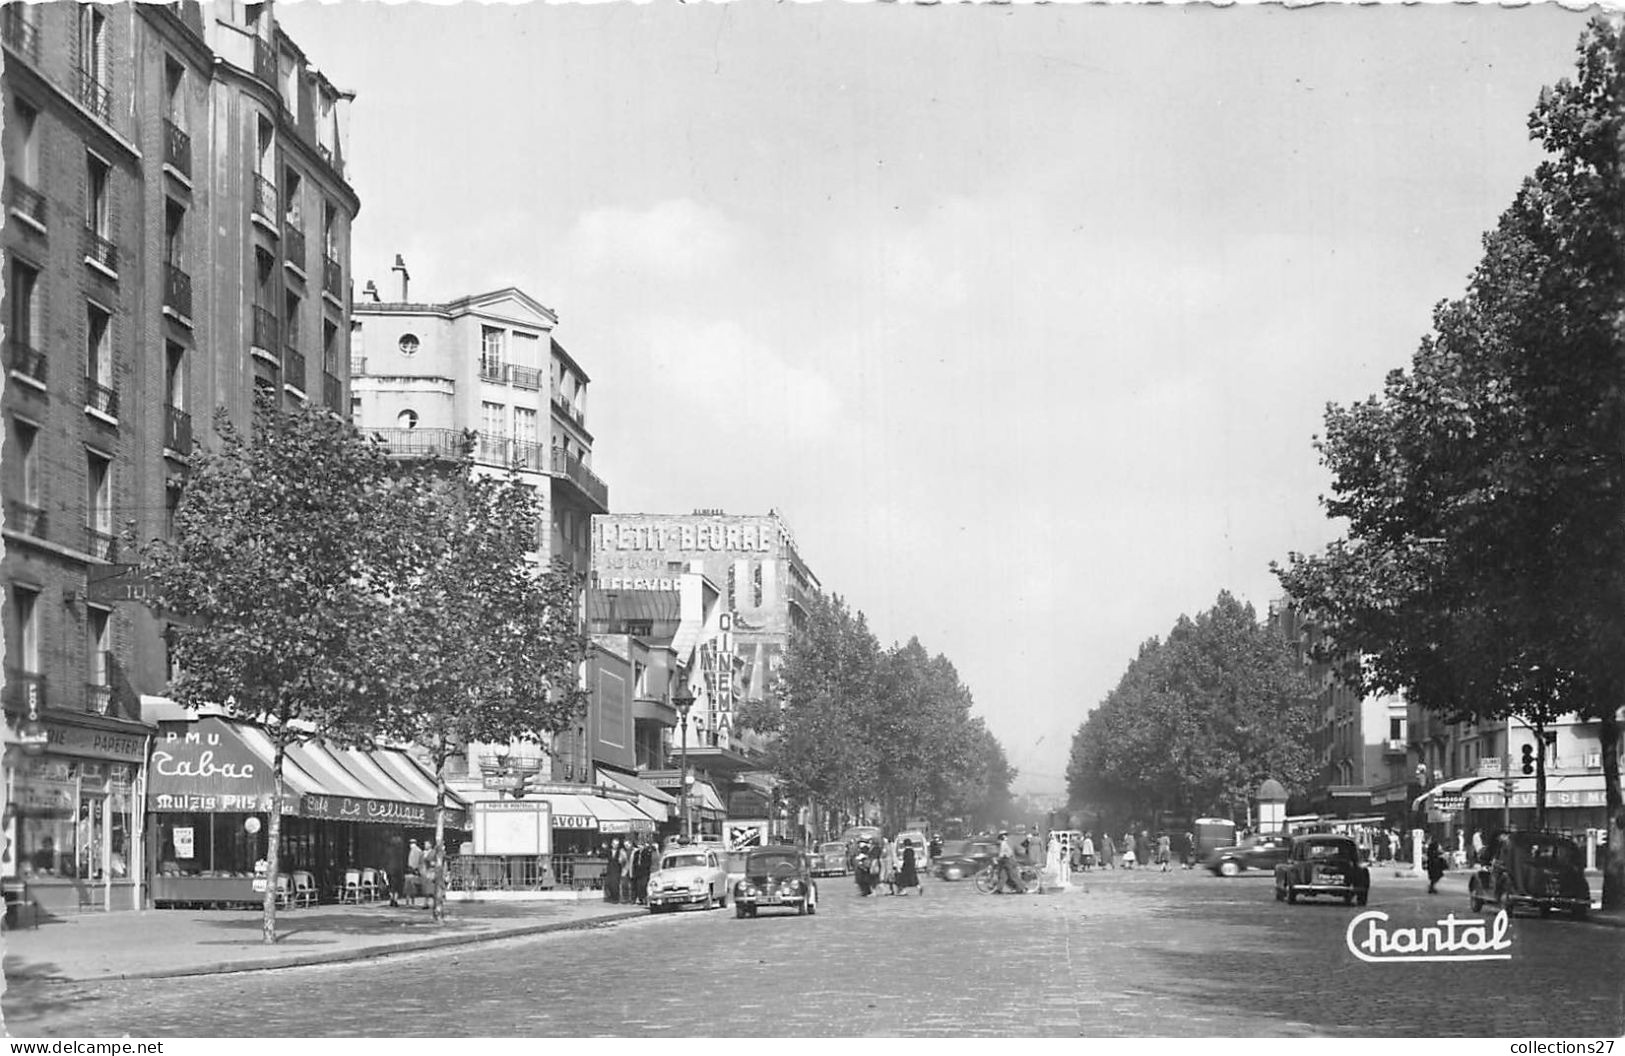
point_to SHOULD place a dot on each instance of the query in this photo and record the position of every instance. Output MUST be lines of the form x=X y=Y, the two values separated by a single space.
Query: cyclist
x=1007 y=868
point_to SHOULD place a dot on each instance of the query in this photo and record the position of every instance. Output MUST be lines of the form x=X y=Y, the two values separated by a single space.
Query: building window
x=97 y=177
x=175 y=93
x=330 y=347
x=330 y=230
x=173 y=490
x=25 y=602
x=266 y=140
x=174 y=234
x=493 y=419
x=175 y=374
x=93 y=43
x=98 y=356
x=524 y=425
x=290 y=82
x=99 y=493
x=24 y=307
x=408 y=344
x=407 y=419
x=25 y=132
x=26 y=436
x=99 y=652
x=491 y=340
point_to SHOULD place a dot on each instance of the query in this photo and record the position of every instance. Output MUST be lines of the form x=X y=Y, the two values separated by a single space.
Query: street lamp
x=682 y=701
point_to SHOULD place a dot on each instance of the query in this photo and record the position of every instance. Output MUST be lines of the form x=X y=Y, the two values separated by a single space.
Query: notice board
x=513 y=827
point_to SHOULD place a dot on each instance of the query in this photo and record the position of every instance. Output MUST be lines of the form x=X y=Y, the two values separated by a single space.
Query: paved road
x=1130 y=954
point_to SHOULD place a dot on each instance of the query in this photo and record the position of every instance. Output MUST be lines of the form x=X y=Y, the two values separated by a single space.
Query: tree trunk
x=439 y=895
x=1613 y=870
x=1540 y=777
x=273 y=836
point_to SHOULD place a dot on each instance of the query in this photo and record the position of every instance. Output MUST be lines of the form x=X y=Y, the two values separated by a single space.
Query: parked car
x=1255 y=852
x=776 y=877
x=688 y=876
x=830 y=859
x=961 y=859
x=1323 y=865
x=904 y=839
x=1538 y=869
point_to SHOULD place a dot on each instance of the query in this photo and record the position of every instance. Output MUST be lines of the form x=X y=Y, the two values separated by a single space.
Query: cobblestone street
x=1124 y=954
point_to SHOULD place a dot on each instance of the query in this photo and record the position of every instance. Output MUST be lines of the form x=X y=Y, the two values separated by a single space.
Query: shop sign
x=378 y=811
x=1591 y=797
x=575 y=821
x=77 y=740
x=214 y=803
x=184 y=841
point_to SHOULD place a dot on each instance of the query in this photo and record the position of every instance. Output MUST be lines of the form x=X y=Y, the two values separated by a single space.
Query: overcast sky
x=1024 y=317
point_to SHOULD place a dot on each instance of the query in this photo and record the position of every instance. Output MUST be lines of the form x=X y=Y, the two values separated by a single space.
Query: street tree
x=485 y=639
x=1483 y=567
x=287 y=550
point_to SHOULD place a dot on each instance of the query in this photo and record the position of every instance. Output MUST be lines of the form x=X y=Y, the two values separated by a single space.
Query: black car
x=1255 y=852
x=776 y=877
x=1328 y=865
x=1539 y=870
x=963 y=858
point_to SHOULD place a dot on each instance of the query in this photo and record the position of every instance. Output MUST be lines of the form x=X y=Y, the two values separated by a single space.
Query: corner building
x=176 y=238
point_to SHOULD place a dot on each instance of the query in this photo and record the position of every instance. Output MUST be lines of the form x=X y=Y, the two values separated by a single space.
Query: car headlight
x=698 y=881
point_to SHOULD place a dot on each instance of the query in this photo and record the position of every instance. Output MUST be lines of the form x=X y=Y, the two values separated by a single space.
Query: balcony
x=100 y=251
x=177 y=430
x=494 y=372
x=264 y=200
x=332 y=393
x=264 y=62
x=293 y=367
x=101 y=398
x=177 y=291
x=26 y=361
x=332 y=278
x=525 y=377
x=99 y=698
x=1394 y=747
x=20 y=34
x=25 y=518
x=577 y=472
x=26 y=201
x=101 y=545
x=94 y=94
x=505 y=451
x=569 y=410
x=177 y=148
x=25 y=690
x=264 y=339
x=294 y=236
x=423 y=443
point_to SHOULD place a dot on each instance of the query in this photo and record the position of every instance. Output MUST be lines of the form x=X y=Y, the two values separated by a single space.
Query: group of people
x=1141 y=849
x=876 y=864
x=627 y=866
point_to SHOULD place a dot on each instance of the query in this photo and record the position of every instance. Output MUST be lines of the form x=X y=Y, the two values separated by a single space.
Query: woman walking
x=1164 y=851
x=1129 y=857
x=1088 y=852
x=908 y=876
x=1435 y=865
x=1108 y=851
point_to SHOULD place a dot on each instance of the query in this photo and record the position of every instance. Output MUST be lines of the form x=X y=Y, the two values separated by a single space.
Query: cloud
x=672 y=240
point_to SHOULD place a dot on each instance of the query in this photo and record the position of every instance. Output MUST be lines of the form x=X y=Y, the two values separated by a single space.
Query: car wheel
x=1582 y=912
x=710 y=900
x=724 y=898
x=655 y=909
x=801 y=908
x=1292 y=895
x=1360 y=896
x=739 y=911
x=1230 y=867
x=812 y=906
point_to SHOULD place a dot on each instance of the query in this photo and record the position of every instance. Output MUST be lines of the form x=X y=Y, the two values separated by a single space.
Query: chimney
x=400 y=266
x=371 y=290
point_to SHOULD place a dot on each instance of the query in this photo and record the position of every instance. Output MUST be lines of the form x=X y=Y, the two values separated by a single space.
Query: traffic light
x=1528 y=758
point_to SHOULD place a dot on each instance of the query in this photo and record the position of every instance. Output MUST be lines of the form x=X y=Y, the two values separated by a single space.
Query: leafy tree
x=486 y=642
x=1483 y=571
x=288 y=545
x=1198 y=720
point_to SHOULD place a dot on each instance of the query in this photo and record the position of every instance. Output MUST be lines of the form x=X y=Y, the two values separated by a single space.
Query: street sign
x=117 y=583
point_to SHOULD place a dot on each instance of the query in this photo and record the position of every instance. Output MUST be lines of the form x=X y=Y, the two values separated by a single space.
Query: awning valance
x=615 y=815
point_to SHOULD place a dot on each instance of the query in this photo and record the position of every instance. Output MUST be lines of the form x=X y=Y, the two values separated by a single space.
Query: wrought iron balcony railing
x=103 y=398
x=177 y=148
x=100 y=249
x=101 y=544
x=506 y=451
x=569 y=410
x=295 y=238
x=177 y=290
x=525 y=377
x=25 y=518
x=25 y=360
x=25 y=199
x=497 y=372
x=265 y=330
x=583 y=478
x=423 y=443
x=293 y=367
x=99 y=695
x=95 y=95
x=19 y=32
x=264 y=197
x=332 y=277
x=177 y=430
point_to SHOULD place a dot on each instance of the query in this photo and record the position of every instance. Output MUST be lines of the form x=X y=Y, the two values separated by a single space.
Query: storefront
x=73 y=823
x=1575 y=803
x=211 y=793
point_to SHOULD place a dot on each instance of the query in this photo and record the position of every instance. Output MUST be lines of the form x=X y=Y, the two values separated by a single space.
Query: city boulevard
x=1136 y=954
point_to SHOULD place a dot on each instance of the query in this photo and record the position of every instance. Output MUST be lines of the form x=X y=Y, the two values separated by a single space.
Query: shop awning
x=220 y=765
x=702 y=795
x=1447 y=791
x=654 y=803
x=615 y=815
x=570 y=812
x=1562 y=790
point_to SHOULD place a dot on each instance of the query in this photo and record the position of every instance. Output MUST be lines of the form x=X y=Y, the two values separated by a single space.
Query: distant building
x=177 y=237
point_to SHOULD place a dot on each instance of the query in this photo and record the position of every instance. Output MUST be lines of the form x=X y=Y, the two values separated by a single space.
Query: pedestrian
x=1129 y=857
x=1108 y=851
x=1190 y=851
x=412 y=883
x=1088 y=852
x=1435 y=866
x=642 y=858
x=888 y=868
x=908 y=875
x=1164 y=851
x=1143 y=848
x=612 y=871
x=429 y=871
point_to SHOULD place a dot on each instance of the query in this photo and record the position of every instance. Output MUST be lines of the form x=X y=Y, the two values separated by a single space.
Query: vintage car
x=776 y=877
x=1538 y=869
x=830 y=859
x=963 y=858
x=1323 y=865
x=1254 y=852
x=906 y=838
x=688 y=876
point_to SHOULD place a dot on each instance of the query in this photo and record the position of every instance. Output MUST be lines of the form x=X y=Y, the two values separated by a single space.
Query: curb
x=303 y=960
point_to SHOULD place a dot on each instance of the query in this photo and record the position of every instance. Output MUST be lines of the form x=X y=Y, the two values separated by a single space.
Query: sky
x=1023 y=317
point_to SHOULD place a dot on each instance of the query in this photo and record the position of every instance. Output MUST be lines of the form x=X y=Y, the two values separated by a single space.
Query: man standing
x=412 y=884
x=641 y=860
x=1007 y=867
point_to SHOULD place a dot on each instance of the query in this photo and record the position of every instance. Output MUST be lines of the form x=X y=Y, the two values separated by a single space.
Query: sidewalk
x=165 y=943
x=1454 y=883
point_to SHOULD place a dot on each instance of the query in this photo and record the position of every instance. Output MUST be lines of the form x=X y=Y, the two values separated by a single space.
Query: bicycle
x=991 y=879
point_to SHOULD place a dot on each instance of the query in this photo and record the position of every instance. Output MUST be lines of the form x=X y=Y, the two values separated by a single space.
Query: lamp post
x=682 y=701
